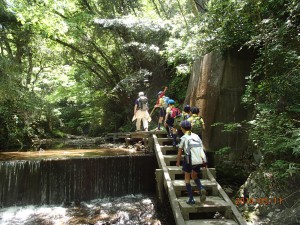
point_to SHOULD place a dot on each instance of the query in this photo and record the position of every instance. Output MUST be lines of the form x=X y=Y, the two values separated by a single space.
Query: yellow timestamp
x=260 y=201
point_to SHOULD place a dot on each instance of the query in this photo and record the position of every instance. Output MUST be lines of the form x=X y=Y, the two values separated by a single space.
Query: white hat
x=141 y=94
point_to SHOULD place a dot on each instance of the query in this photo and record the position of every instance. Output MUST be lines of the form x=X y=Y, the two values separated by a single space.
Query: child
x=197 y=121
x=191 y=146
x=171 y=113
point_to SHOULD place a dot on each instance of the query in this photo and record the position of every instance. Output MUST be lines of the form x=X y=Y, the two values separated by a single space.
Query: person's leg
x=138 y=124
x=161 y=118
x=145 y=123
x=189 y=188
x=174 y=134
x=168 y=129
x=201 y=188
x=159 y=123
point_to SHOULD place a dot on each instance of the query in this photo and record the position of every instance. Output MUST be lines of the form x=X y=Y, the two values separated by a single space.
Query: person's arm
x=167 y=114
x=166 y=117
x=135 y=109
x=161 y=95
x=158 y=103
x=203 y=124
x=179 y=153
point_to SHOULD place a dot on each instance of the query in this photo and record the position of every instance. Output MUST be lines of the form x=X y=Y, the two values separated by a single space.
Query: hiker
x=141 y=111
x=197 y=121
x=171 y=113
x=194 y=159
x=161 y=103
x=177 y=121
x=186 y=112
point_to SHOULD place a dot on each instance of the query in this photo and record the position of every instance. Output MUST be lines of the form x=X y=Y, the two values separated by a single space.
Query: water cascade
x=50 y=181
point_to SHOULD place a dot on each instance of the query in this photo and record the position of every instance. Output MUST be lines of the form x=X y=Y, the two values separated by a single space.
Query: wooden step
x=171 y=158
x=200 y=213
x=211 y=222
x=167 y=141
x=168 y=149
x=175 y=170
x=179 y=186
x=212 y=204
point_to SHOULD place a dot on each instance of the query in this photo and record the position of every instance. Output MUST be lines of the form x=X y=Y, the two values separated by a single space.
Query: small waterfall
x=79 y=179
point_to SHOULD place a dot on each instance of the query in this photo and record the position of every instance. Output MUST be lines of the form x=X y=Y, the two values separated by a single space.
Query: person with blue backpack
x=161 y=103
x=171 y=113
x=194 y=158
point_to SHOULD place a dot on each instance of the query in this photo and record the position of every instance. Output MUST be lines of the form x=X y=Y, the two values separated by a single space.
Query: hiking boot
x=190 y=202
x=203 y=195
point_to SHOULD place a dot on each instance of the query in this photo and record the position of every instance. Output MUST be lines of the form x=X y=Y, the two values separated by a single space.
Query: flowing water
x=131 y=209
x=82 y=186
x=65 y=154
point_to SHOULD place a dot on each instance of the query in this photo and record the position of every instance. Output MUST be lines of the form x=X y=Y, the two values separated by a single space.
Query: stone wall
x=216 y=85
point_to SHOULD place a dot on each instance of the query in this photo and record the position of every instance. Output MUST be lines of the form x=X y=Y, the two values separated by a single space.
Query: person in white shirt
x=194 y=158
x=140 y=111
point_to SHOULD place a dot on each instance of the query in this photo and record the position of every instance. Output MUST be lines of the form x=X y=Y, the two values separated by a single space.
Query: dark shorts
x=162 y=112
x=188 y=168
x=170 y=122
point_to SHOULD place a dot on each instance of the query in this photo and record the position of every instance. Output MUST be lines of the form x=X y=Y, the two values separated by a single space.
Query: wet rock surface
x=262 y=204
x=69 y=141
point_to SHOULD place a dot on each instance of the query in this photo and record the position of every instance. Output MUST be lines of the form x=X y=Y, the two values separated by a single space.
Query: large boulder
x=216 y=86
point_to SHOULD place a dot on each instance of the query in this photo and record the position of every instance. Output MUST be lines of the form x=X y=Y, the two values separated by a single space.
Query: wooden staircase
x=217 y=209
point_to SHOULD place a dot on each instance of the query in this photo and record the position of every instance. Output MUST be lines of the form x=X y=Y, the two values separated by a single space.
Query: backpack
x=143 y=103
x=177 y=121
x=197 y=125
x=175 y=112
x=165 y=101
x=194 y=154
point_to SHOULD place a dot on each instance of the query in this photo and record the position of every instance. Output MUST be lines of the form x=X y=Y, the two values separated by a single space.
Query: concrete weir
x=57 y=181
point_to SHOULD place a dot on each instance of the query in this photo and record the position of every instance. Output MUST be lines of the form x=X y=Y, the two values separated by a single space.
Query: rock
x=218 y=215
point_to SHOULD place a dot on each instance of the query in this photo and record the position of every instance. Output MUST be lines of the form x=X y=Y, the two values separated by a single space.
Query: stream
x=129 y=209
x=77 y=186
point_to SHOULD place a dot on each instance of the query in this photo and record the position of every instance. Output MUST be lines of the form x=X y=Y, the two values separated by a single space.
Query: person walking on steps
x=161 y=103
x=186 y=112
x=197 y=121
x=177 y=121
x=194 y=158
x=171 y=113
x=141 y=111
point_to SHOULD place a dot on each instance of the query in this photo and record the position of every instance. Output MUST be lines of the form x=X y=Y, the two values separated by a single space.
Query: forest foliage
x=76 y=66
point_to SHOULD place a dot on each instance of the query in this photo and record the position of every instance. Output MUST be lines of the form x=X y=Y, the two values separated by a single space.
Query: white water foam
x=23 y=215
x=129 y=210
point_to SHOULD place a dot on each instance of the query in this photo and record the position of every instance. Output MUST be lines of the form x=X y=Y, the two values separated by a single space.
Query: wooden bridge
x=218 y=209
